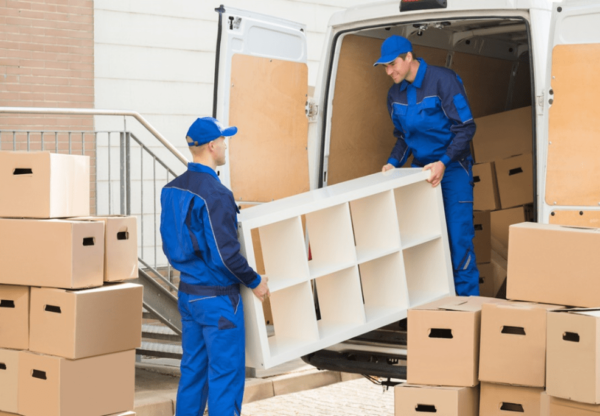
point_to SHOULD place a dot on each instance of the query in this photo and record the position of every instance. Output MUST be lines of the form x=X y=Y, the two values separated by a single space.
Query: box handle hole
x=440 y=333
x=23 y=171
x=123 y=235
x=478 y=227
x=481 y=280
x=515 y=330
x=476 y=179
x=425 y=408
x=571 y=337
x=4 y=303
x=2 y=366
x=53 y=309
x=515 y=171
x=39 y=374
x=89 y=241
x=512 y=407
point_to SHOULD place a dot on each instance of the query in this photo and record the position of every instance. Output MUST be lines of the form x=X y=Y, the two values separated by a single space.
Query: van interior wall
x=361 y=129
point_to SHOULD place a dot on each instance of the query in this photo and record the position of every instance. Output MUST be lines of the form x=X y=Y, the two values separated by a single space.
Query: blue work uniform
x=433 y=121
x=199 y=233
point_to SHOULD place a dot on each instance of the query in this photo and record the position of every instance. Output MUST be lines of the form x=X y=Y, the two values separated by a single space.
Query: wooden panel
x=574 y=127
x=268 y=157
x=576 y=218
x=361 y=129
x=486 y=81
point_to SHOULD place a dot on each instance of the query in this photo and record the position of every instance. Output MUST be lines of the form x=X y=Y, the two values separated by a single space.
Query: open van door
x=261 y=87
x=572 y=182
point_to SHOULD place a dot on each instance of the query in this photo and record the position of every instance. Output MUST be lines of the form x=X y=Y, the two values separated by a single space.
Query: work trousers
x=213 y=364
x=457 y=193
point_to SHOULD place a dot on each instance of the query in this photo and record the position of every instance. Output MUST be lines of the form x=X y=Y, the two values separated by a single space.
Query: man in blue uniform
x=433 y=121
x=199 y=233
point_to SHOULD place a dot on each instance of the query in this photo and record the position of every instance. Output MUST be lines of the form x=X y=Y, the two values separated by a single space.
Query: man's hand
x=437 y=172
x=262 y=290
x=387 y=167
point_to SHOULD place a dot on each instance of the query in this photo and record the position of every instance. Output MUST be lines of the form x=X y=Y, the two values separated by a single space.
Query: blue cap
x=392 y=47
x=207 y=129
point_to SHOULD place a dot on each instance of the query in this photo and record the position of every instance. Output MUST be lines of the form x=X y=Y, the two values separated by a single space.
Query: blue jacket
x=431 y=116
x=199 y=230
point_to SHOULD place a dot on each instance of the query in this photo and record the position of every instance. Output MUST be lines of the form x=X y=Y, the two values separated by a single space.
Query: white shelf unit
x=378 y=245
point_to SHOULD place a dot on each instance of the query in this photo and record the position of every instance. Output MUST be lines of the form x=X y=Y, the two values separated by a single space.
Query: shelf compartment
x=295 y=320
x=375 y=224
x=384 y=286
x=428 y=271
x=340 y=302
x=284 y=253
x=419 y=208
x=331 y=240
x=415 y=241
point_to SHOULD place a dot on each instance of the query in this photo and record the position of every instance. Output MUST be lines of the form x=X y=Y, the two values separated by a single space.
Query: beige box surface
x=501 y=221
x=14 y=317
x=52 y=253
x=96 y=386
x=486 y=280
x=554 y=264
x=503 y=135
x=414 y=400
x=501 y=400
x=443 y=342
x=44 y=185
x=120 y=247
x=483 y=236
x=84 y=323
x=515 y=180
x=552 y=406
x=122 y=414
x=485 y=189
x=9 y=377
x=513 y=343
x=573 y=362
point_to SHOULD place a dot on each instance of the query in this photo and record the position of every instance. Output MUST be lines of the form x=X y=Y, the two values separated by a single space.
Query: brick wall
x=46 y=60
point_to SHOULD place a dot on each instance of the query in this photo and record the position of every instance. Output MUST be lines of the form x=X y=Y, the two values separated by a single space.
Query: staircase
x=128 y=173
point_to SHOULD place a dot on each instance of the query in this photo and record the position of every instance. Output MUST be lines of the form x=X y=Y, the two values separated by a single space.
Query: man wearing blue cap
x=433 y=122
x=199 y=233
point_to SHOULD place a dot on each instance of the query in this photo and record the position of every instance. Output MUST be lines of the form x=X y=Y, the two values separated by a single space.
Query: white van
x=510 y=54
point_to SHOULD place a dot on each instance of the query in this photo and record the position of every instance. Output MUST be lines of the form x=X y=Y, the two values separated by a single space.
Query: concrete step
x=160 y=332
x=158 y=349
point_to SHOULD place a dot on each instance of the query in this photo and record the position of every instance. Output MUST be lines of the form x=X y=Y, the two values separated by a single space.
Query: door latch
x=311 y=109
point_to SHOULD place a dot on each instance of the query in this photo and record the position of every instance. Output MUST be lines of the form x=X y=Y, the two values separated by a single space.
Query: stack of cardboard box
x=67 y=334
x=503 y=189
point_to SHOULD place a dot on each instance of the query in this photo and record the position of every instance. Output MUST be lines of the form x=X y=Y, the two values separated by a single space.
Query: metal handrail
x=95 y=112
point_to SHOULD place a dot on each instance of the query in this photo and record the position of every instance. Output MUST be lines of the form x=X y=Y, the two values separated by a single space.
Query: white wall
x=157 y=58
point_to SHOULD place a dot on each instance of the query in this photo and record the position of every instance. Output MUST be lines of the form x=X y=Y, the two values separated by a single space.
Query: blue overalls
x=433 y=121
x=199 y=233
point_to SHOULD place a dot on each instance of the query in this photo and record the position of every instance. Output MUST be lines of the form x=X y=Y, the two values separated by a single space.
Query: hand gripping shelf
x=378 y=246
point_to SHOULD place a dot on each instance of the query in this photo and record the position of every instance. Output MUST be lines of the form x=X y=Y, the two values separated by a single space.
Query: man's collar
x=418 y=82
x=198 y=167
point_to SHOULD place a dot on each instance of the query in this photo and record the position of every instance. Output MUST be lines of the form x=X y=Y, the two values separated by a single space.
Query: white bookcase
x=372 y=248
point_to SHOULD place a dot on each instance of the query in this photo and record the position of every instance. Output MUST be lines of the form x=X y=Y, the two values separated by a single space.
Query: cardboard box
x=554 y=264
x=96 y=386
x=573 y=341
x=9 y=380
x=52 y=253
x=503 y=135
x=120 y=247
x=503 y=219
x=413 y=400
x=513 y=343
x=552 y=406
x=121 y=414
x=486 y=280
x=44 y=185
x=501 y=400
x=515 y=180
x=14 y=317
x=483 y=234
x=443 y=342
x=485 y=188
x=499 y=266
x=85 y=323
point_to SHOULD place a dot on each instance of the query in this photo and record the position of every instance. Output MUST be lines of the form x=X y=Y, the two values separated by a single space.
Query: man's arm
x=400 y=152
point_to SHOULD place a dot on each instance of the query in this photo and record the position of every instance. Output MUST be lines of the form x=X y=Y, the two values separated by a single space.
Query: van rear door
x=572 y=174
x=261 y=87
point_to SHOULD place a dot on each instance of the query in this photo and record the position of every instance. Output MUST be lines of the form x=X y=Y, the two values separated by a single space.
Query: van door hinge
x=311 y=109
x=540 y=104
